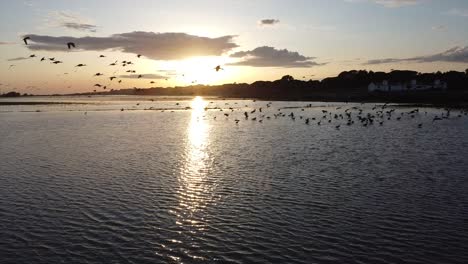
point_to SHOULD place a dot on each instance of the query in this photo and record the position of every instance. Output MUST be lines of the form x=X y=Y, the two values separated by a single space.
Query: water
x=89 y=183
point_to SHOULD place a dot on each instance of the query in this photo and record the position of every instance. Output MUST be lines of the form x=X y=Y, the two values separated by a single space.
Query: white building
x=404 y=87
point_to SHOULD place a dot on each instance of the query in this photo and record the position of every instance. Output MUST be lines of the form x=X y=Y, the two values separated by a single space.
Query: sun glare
x=198 y=105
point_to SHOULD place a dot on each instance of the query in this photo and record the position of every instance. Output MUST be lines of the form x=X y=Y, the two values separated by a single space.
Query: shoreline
x=395 y=101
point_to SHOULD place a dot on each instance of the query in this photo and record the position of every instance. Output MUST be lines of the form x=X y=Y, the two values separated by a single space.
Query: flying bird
x=139 y=55
x=70 y=45
x=98 y=74
x=80 y=65
x=57 y=62
x=97 y=85
x=43 y=59
x=51 y=59
x=102 y=56
x=25 y=39
x=139 y=76
x=112 y=78
x=32 y=56
x=218 y=68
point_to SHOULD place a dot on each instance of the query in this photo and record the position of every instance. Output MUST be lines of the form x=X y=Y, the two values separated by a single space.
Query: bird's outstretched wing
x=70 y=45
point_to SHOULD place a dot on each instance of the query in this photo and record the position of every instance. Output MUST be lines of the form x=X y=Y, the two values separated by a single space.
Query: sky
x=181 y=42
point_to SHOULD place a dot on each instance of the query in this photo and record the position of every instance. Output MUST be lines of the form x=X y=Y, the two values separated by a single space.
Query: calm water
x=89 y=183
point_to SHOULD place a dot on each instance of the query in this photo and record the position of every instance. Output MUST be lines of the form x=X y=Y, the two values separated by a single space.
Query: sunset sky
x=183 y=41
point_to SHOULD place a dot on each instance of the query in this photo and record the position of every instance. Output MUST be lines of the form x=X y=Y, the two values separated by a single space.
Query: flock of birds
x=356 y=115
x=125 y=63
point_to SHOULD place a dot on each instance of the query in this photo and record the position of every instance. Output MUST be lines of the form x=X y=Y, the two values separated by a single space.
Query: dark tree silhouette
x=287 y=78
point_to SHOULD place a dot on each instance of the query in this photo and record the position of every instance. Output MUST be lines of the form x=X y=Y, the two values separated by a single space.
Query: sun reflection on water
x=194 y=192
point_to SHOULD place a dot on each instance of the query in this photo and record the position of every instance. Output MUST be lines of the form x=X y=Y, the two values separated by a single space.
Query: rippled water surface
x=177 y=180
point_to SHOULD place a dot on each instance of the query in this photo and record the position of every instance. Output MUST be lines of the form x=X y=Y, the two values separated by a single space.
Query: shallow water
x=90 y=183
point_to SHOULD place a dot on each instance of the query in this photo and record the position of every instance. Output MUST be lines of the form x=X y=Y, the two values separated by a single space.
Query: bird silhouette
x=98 y=74
x=25 y=39
x=139 y=55
x=32 y=56
x=43 y=59
x=57 y=62
x=112 y=78
x=218 y=68
x=102 y=56
x=80 y=65
x=70 y=45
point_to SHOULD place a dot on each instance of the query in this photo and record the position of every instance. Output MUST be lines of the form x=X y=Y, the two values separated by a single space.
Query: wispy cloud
x=28 y=3
x=439 y=28
x=270 y=57
x=168 y=72
x=79 y=26
x=70 y=20
x=18 y=59
x=458 y=12
x=390 y=3
x=143 y=76
x=268 y=22
x=456 y=54
x=157 y=46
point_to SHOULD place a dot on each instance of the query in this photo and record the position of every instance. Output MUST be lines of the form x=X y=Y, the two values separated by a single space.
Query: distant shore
x=436 y=99
x=349 y=86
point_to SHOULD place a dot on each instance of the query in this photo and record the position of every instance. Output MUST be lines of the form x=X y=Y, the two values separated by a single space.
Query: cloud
x=391 y=3
x=18 y=59
x=70 y=20
x=143 y=76
x=270 y=57
x=439 y=28
x=168 y=72
x=383 y=61
x=6 y=43
x=79 y=26
x=268 y=22
x=157 y=46
x=28 y=3
x=456 y=54
x=458 y=12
